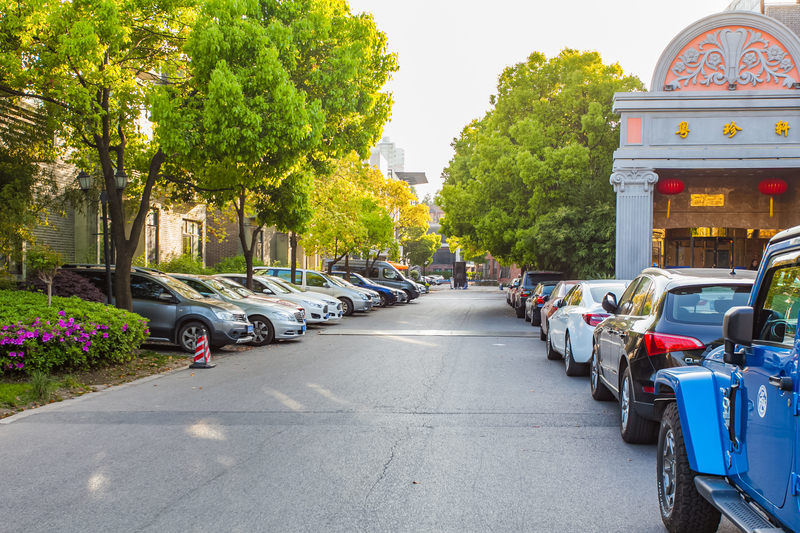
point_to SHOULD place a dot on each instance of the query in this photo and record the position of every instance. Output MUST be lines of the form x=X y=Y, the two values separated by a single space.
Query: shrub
x=67 y=284
x=184 y=264
x=72 y=334
x=44 y=262
x=42 y=386
x=235 y=265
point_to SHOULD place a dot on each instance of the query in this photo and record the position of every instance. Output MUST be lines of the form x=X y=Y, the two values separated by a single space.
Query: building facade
x=707 y=168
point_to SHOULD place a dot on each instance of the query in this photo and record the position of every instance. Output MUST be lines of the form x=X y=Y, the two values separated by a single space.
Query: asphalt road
x=449 y=419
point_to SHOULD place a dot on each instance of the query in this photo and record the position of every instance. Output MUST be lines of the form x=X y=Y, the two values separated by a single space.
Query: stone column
x=634 y=188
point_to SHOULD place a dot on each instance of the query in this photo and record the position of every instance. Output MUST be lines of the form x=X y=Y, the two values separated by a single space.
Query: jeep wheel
x=384 y=300
x=263 y=332
x=599 y=391
x=570 y=366
x=683 y=509
x=633 y=428
x=548 y=347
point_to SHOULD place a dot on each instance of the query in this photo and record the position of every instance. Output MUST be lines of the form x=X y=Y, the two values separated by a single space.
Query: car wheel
x=520 y=311
x=527 y=317
x=542 y=335
x=599 y=391
x=408 y=295
x=347 y=306
x=551 y=353
x=682 y=506
x=633 y=428
x=263 y=331
x=570 y=366
x=384 y=300
x=188 y=335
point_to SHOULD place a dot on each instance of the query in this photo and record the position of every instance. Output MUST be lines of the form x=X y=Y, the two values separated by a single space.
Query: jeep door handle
x=622 y=335
x=783 y=383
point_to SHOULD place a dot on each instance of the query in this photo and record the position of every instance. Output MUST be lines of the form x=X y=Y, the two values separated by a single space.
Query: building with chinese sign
x=707 y=168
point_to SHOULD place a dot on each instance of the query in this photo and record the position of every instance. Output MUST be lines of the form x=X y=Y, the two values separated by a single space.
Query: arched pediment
x=748 y=51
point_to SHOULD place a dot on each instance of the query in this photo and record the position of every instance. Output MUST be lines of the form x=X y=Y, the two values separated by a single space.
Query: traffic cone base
x=202 y=354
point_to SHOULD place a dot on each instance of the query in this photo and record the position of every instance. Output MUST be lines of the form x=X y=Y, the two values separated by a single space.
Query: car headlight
x=312 y=304
x=224 y=315
x=285 y=317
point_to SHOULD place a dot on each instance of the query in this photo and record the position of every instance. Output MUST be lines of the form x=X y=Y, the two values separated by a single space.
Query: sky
x=451 y=53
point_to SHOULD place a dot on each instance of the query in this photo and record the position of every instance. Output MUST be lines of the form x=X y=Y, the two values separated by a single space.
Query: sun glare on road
x=285 y=400
x=202 y=430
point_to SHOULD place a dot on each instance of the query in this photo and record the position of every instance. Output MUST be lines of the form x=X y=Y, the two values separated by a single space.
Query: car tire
x=187 y=336
x=633 y=428
x=520 y=311
x=527 y=317
x=347 y=306
x=542 y=335
x=263 y=331
x=682 y=507
x=408 y=295
x=551 y=353
x=599 y=391
x=384 y=300
x=570 y=366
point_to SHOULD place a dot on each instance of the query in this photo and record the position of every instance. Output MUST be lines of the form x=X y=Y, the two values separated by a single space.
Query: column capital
x=622 y=177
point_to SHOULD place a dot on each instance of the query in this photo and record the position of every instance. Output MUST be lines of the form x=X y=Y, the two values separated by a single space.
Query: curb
x=57 y=405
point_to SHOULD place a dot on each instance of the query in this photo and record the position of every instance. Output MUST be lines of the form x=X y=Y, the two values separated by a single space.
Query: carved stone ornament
x=728 y=57
x=645 y=177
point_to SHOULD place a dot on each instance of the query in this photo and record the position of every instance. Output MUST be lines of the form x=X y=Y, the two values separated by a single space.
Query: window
x=574 y=296
x=704 y=305
x=193 y=238
x=390 y=274
x=199 y=287
x=777 y=315
x=145 y=289
x=642 y=300
x=624 y=306
x=151 y=237
x=313 y=280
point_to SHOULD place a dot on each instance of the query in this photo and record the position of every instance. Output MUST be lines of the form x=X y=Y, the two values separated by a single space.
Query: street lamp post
x=85 y=182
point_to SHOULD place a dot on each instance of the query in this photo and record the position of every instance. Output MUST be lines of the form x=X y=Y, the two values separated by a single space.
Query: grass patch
x=13 y=394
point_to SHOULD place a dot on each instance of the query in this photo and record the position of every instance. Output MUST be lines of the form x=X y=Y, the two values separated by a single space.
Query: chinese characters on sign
x=683 y=129
x=731 y=129
x=782 y=128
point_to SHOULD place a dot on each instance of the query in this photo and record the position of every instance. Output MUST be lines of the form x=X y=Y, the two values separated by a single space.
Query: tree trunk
x=347 y=266
x=247 y=250
x=293 y=244
x=49 y=293
x=370 y=267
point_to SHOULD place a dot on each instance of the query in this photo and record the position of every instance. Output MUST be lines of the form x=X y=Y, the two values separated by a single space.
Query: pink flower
x=105 y=335
x=62 y=313
x=124 y=328
x=20 y=365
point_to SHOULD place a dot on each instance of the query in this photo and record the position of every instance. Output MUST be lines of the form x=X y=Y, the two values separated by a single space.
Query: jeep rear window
x=704 y=305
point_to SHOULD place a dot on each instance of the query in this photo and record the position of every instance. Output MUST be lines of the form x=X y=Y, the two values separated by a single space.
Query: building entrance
x=709 y=247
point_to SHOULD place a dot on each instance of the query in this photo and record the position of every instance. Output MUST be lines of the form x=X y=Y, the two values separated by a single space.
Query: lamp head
x=121 y=179
x=84 y=181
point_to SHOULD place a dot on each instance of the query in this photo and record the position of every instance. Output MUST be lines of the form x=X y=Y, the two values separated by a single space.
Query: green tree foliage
x=273 y=91
x=419 y=246
x=44 y=262
x=547 y=144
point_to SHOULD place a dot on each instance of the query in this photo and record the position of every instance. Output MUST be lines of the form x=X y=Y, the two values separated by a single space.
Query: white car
x=570 y=329
x=317 y=309
x=334 y=305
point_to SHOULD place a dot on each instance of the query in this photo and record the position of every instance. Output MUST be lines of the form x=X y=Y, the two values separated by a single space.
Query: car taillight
x=540 y=301
x=594 y=318
x=525 y=294
x=660 y=343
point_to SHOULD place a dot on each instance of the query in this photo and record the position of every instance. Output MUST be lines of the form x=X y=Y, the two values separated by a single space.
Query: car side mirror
x=546 y=298
x=267 y=291
x=610 y=303
x=558 y=303
x=737 y=328
x=165 y=296
x=326 y=285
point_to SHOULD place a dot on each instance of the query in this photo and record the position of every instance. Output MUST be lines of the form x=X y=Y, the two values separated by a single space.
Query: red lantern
x=668 y=187
x=772 y=187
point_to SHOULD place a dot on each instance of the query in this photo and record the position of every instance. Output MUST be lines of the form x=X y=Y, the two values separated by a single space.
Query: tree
x=547 y=143
x=97 y=64
x=45 y=263
x=274 y=89
x=419 y=246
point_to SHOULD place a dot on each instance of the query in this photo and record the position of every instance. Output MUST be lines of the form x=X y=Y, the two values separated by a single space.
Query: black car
x=665 y=318
x=533 y=307
x=528 y=282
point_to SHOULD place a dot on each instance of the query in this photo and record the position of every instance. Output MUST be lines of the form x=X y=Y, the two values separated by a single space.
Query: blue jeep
x=728 y=437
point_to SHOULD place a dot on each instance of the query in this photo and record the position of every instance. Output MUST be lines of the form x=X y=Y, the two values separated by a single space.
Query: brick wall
x=788 y=15
x=223 y=239
x=54 y=230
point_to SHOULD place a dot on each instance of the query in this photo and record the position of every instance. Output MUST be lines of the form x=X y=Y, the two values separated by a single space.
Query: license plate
x=250 y=328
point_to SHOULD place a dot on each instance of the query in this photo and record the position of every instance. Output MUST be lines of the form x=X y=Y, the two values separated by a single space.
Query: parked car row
x=705 y=363
x=181 y=307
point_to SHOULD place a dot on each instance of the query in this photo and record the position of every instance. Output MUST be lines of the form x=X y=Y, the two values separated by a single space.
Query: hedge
x=72 y=334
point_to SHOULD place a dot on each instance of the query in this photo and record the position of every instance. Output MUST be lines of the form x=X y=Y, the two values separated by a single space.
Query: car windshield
x=179 y=287
x=337 y=281
x=275 y=287
x=547 y=289
x=704 y=305
x=599 y=291
x=360 y=278
x=223 y=289
x=286 y=284
x=232 y=285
